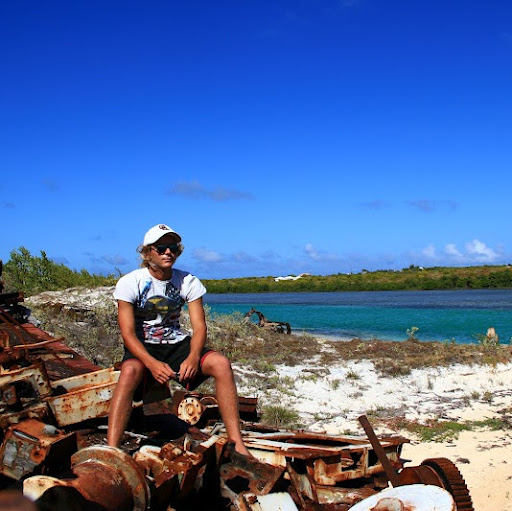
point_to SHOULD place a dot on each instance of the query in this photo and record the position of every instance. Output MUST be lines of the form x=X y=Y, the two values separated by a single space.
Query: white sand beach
x=330 y=400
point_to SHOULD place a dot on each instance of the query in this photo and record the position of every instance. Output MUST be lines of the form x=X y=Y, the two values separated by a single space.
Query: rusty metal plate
x=329 y=459
x=37 y=411
x=88 y=402
x=84 y=381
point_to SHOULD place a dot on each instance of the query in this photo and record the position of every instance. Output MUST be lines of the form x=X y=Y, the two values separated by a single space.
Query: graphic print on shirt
x=163 y=311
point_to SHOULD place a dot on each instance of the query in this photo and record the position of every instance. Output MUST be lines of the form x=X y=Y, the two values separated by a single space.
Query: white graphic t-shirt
x=158 y=303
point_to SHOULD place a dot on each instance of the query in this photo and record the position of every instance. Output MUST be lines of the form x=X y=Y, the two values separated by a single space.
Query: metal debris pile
x=53 y=405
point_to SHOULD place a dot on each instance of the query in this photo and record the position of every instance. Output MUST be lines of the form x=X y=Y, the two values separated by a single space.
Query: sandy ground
x=330 y=400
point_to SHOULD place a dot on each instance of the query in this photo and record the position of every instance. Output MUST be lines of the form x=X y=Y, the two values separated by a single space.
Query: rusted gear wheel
x=190 y=410
x=453 y=481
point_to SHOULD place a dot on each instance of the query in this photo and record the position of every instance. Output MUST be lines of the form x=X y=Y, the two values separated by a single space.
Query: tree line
x=412 y=278
x=34 y=274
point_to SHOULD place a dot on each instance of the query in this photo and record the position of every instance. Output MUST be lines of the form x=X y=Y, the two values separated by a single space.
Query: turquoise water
x=387 y=315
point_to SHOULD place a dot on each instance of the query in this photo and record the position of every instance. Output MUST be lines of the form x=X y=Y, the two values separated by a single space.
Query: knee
x=217 y=366
x=131 y=375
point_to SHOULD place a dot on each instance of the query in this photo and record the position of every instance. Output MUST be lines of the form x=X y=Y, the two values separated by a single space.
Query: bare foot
x=240 y=448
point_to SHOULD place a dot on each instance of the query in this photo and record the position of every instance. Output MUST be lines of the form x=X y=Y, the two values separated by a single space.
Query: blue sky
x=277 y=137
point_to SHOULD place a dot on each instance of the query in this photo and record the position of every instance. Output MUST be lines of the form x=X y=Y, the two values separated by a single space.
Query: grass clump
x=279 y=417
x=352 y=375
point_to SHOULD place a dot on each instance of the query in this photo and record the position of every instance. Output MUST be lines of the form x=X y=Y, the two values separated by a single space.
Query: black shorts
x=174 y=355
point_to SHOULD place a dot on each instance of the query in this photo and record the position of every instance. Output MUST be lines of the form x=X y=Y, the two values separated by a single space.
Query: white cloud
x=480 y=251
x=115 y=260
x=207 y=256
x=474 y=252
x=452 y=250
x=429 y=251
x=311 y=251
x=319 y=256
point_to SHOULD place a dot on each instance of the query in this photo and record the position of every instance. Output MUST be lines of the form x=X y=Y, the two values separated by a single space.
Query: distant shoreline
x=412 y=278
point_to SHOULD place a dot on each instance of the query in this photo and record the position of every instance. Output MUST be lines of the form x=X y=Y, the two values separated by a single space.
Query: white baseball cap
x=156 y=232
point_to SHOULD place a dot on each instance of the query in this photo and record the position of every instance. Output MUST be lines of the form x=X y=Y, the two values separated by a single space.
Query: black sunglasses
x=162 y=249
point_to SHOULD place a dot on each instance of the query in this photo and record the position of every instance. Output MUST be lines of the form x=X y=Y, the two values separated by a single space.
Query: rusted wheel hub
x=190 y=410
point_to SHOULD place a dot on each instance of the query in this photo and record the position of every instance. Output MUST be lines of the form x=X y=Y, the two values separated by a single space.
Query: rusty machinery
x=296 y=469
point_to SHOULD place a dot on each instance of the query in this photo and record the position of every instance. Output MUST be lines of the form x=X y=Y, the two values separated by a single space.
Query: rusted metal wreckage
x=281 y=327
x=53 y=408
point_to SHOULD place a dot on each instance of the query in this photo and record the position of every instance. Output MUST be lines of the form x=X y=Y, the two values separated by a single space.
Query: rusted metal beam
x=379 y=451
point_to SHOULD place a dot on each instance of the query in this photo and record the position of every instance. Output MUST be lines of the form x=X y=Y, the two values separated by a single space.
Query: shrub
x=411 y=333
x=279 y=416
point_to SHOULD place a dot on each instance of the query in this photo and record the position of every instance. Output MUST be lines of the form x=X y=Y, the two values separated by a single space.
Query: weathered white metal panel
x=88 y=397
x=412 y=497
x=88 y=379
x=274 y=502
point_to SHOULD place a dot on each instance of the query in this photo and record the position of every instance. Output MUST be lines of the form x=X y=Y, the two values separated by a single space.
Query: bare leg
x=219 y=367
x=132 y=371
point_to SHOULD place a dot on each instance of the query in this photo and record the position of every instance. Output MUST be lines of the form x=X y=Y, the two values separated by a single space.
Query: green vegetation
x=279 y=416
x=411 y=333
x=489 y=342
x=434 y=430
x=352 y=375
x=412 y=278
x=32 y=274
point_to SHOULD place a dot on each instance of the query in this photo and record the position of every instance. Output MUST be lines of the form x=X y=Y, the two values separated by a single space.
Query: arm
x=126 y=316
x=190 y=366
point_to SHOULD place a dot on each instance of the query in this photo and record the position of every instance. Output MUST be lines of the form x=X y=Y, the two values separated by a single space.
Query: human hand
x=161 y=371
x=189 y=367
